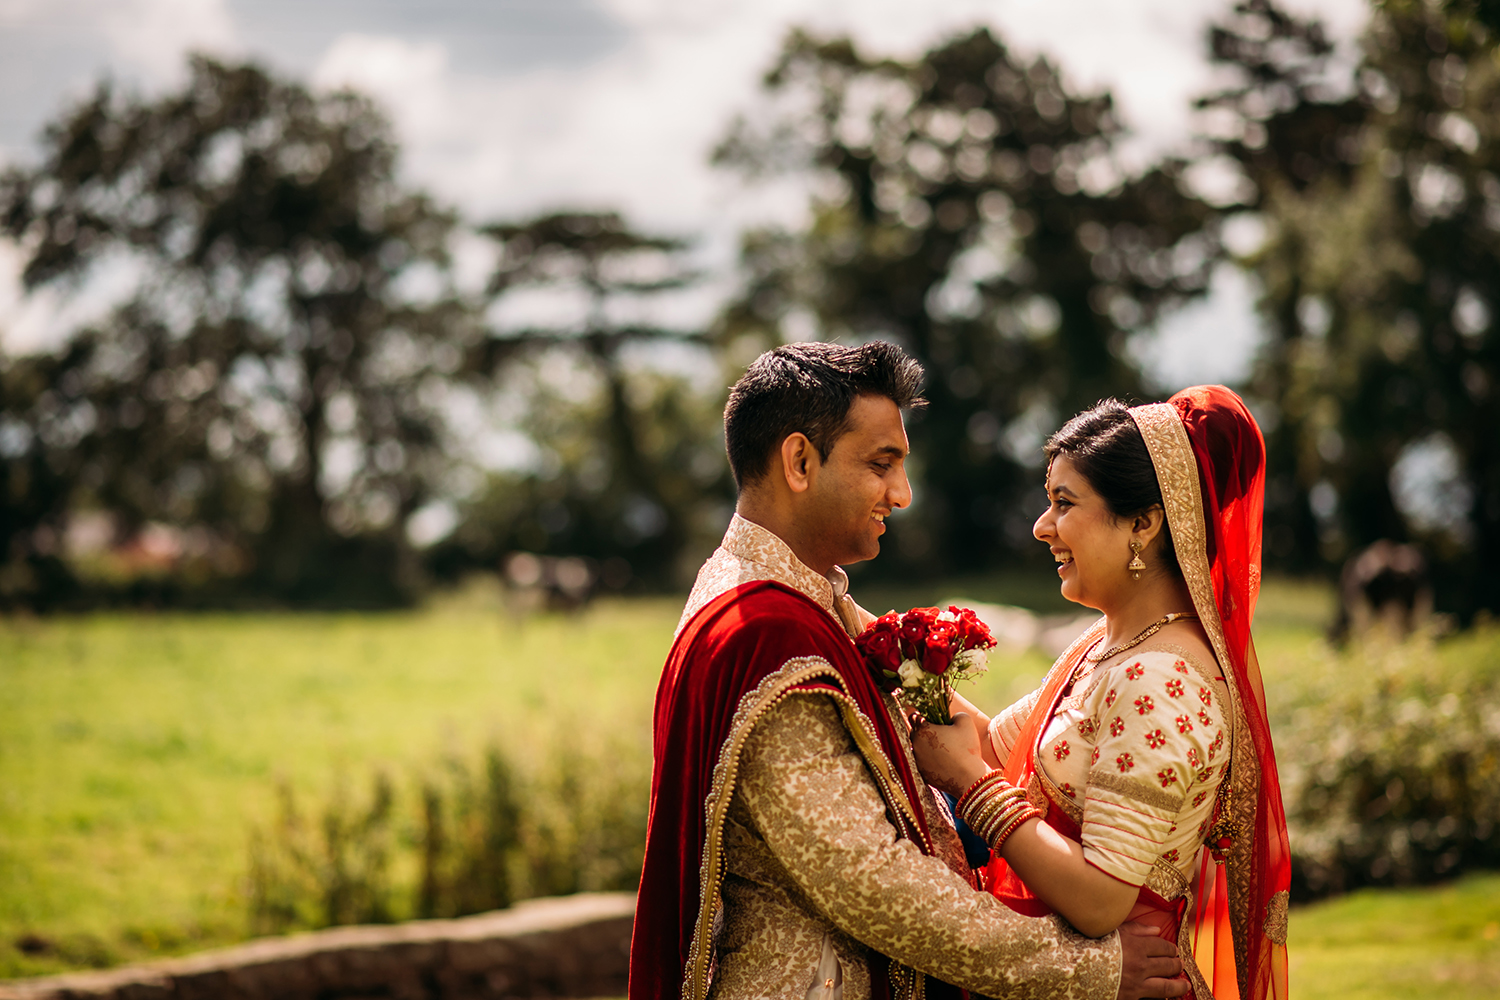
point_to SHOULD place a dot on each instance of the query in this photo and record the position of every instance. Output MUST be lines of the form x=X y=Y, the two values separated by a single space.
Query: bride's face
x=1090 y=544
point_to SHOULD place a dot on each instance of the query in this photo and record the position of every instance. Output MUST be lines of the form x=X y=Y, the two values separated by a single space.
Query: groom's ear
x=799 y=459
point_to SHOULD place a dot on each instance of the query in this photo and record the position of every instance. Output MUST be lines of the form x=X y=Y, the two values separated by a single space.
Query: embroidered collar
x=750 y=552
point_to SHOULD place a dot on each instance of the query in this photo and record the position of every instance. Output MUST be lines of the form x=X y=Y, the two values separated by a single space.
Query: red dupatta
x=1244 y=901
x=1210 y=462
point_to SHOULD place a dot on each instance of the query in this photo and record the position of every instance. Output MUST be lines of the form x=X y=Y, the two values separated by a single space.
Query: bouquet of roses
x=923 y=652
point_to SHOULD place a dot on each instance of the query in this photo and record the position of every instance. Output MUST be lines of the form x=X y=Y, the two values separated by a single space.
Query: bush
x=470 y=836
x=1391 y=764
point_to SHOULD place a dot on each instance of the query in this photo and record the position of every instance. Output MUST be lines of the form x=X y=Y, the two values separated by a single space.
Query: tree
x=272 y=378
x=968 y=206
x=1382 y=203
x=632 y=466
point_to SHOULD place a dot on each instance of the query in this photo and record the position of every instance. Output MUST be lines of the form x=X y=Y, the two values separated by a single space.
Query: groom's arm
x=815 y=804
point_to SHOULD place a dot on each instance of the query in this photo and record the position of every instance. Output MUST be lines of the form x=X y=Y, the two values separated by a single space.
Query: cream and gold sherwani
x=815 y=877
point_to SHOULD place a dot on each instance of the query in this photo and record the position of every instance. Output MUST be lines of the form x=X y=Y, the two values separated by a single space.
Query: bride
x=1139 y=782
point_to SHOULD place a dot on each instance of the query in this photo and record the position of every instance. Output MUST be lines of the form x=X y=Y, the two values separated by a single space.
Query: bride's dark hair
x=1105 y=446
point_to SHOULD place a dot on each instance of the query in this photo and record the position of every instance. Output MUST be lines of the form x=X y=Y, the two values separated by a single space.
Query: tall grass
x=464 y=836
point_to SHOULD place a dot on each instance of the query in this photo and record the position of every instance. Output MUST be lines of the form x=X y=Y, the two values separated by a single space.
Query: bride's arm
x=1051 y=865
x=959 y=705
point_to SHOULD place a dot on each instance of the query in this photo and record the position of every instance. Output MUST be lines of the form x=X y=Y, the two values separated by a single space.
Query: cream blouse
x=1134 y=755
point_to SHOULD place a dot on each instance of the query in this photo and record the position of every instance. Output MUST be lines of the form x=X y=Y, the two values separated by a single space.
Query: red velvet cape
x=724 y=653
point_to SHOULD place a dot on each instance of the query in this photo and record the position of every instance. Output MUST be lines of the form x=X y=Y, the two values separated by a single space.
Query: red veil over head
x=1241 y=911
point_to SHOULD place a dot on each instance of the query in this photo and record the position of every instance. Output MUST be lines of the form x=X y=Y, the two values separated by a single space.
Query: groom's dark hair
x=810 y=388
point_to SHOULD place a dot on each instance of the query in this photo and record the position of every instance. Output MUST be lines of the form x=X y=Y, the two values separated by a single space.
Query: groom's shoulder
x=762 y=609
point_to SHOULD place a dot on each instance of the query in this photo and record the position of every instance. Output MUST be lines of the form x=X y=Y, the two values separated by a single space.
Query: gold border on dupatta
x=1182 y=498
x=776 y=686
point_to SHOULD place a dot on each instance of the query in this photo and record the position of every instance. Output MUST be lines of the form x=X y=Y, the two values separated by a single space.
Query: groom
x=793 y=850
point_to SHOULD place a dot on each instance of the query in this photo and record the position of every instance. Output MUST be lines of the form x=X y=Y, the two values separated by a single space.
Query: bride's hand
x=949 y=756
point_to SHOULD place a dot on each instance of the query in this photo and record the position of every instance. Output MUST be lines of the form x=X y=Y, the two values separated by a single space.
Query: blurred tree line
x=302 y=403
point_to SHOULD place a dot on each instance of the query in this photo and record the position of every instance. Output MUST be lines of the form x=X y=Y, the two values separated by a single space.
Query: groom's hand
x=1149 y=966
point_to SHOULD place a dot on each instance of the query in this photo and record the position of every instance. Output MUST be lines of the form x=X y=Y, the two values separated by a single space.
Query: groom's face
x=862 y=480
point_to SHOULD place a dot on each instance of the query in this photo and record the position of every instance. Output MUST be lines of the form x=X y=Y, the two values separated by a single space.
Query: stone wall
x=573 y=946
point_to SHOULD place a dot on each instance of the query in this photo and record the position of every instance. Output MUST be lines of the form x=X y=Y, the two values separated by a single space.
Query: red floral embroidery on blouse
x=1184 y=724
x=1205 y=774
x=1144 y=704
x=1067 y=790
x=1087 y=728
x=1174 y=688
x=1218 y=742
x=1198 y=801
x=1094 y=759
x=1134 y=672
x=1155 y=738
x=1061 y=750
x=1125 y=762
x=1167 y=776
x=1109 y=699
x=1192 y=756
x=1170 y=857
x=1180 y=667
x=1204 y=717
x=1117 y=727
x=1207 y=695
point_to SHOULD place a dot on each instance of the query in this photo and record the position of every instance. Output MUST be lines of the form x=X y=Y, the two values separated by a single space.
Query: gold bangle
x=1029 y=813
x=983 y=806
x=996 y=818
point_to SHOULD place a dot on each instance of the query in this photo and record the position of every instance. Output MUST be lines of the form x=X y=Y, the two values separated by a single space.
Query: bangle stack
x=994 y=808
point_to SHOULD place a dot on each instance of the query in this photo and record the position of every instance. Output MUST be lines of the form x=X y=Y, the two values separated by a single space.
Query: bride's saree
x=1210 y=461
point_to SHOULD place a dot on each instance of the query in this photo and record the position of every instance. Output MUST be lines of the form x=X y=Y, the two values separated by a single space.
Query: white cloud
x=150 y=36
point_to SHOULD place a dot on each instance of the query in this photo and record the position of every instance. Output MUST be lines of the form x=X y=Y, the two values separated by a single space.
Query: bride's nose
x=1042 y=529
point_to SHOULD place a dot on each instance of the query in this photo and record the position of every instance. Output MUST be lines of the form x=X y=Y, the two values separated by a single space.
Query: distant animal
x=1386 y=582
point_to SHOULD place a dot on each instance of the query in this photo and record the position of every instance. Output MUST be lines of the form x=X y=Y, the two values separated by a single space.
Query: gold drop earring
x=1135 y=565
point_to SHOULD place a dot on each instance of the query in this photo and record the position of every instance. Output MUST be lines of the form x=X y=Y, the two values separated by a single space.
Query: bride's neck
x=1142 y=605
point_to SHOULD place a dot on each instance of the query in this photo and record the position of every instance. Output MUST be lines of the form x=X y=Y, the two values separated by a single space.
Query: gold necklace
x=1145 y=634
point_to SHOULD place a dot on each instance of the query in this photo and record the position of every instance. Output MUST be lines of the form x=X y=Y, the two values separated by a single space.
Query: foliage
x=270 y=381
x=1400 y=944
x=337 y=873
x=1381 y=201
x=967 y=205
x=1391 y=764
x=630 y=458
x=469 y=840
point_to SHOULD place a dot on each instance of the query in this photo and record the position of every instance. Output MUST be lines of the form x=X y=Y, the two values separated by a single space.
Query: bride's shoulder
x=1181 y=654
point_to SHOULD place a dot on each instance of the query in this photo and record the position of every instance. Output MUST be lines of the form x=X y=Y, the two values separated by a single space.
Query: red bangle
x=958 y=807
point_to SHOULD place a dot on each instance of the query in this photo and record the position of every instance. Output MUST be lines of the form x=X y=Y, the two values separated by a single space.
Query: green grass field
x=137 y=751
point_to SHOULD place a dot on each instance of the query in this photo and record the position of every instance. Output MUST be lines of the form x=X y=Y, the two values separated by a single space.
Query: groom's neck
x=783 y=519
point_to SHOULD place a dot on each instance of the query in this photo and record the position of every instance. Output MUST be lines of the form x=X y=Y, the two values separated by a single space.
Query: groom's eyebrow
x=893 y=450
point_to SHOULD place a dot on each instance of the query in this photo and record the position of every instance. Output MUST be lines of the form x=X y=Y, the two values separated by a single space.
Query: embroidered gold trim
x=1135 y=788
x=1276 y=916
x=1166 y=881
x=777 y=685
x=1182 y=498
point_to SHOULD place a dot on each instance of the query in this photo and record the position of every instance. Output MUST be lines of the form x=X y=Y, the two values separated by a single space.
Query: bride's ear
x=1148 y=524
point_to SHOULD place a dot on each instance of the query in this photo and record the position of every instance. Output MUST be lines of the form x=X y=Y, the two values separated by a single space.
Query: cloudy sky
x=507 y=107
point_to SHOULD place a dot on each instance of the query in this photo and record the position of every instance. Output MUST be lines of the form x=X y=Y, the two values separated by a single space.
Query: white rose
x=911 y=673
x=974 y=662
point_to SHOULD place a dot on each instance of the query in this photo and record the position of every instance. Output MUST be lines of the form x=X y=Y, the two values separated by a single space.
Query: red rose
x=974 y=632
x=914 y=626
x=880 y=645
x=943 y=643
